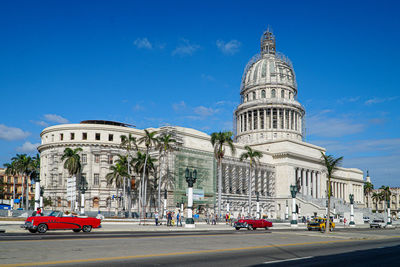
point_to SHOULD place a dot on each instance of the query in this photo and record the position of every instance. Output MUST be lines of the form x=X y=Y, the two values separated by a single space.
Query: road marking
x=109 y=238
x=173 y=253
x=294 y=259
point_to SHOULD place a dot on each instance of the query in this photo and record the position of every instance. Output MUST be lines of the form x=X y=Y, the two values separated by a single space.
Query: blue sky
x=179 y=63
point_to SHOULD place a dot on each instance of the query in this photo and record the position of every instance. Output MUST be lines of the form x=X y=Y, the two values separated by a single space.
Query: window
x=263 y=93
x=96 y=179
x=84 y=158
x=61 y=137
x=84 y=136
x=110 y=159
x=282 y=94
x=72 y=136
x=96 y=158
x=247 y=97
x=60 y=179
x=52 y=138
x=97 y=136
x=290 y=95
x=95 y=202
x=110 y=137
x=273 y=93
x=254 y=95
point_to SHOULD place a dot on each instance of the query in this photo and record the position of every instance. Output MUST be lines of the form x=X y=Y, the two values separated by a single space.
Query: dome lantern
x=268 y=45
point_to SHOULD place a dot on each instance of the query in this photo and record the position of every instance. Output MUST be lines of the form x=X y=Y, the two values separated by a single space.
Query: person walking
x=156 y=217
x=169 y=218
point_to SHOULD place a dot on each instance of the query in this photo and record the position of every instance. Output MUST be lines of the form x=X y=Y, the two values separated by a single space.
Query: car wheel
x=76 y=230
x=42 y=228
x=87 y=228
x=309 y=229
x=32 y=231
x=237 y=228
x=266 y=228
x=250 y=227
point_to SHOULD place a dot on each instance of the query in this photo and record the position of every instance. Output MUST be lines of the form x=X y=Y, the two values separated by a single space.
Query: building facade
x=12 y=188
x=269 y=119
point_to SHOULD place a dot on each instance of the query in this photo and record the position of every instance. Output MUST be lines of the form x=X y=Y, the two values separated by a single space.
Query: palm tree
x=376 y=197
x=129 y=144
x=118 y=172
x=165 y=145
x=330 y=163
x=386 y=193
x=149 y=140
x=72 y=162
x=23 y=166
x=254 y=158
x=368 y=188
x=219 y=141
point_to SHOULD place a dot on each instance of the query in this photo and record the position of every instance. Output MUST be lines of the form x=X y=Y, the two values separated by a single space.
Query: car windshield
x=55 y=213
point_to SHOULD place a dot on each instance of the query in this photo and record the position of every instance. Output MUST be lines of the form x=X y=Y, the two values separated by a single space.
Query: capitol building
x=269 y=119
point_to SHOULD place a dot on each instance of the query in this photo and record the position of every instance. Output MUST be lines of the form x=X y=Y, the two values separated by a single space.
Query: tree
x=368 y=188
x=118 y=172
x=149 y=140
x=376 y=197
x=219 y=141
x=143 y=164
x=72 y=162
x=330 y=163
x=165 y=145
x=386 y=193
x=254 y=158
x=129 y=143
x=23 y=166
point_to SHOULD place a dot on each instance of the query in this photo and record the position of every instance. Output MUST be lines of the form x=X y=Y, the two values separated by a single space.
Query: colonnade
x=340 y=190
x=309 y=182
x=235 y=177
x=269 y=118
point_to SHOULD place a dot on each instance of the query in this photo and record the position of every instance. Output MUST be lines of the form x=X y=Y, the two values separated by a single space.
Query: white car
x=366 y=219
x=377 y=223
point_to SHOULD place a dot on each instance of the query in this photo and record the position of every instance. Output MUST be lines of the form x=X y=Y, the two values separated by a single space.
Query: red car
x=252 y=224
x=57 y=220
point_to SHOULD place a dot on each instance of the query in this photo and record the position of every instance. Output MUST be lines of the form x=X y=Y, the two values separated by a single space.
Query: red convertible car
x=57 y=220
x=252 y=224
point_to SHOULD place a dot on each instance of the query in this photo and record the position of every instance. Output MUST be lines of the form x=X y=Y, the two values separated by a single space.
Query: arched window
x=109 y=202
x=95 y=202
x=263 y=93
x=290 y=95
x=254 y=95
x=247 y=97
x=273 y=93
x=282 y=94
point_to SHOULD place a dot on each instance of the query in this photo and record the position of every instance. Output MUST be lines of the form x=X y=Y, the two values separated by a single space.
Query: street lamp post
x=351 y=197
x=287 y=210
x=165 y=203
x=83 y=187
x=389 y=220
x=258 y=205
x=293 y=191
x=37 y=192
x=227 y=206
x=182 y=202
x=41 y=198
x=191 y=177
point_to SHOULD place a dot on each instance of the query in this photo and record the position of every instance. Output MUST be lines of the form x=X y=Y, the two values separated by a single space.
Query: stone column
x=258 y=119
x=303 y=184
x=314 y=186
x=284 y=118
x=271 y=121
x=265 y=119
x=317 y=185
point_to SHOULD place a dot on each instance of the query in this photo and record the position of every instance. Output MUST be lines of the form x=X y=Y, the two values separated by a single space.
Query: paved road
x=236 y=248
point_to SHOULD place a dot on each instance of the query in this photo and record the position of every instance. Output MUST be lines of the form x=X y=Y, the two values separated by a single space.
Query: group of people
x=172 y=219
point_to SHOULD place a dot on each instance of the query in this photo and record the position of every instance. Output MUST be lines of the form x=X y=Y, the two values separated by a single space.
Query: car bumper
x=28 y=226
x=240 y=225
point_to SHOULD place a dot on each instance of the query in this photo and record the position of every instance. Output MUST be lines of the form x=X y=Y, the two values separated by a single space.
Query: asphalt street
x=202 y=248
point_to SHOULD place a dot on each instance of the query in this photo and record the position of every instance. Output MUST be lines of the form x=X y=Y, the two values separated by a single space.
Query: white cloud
x=229 y=48
x=377 y=100
x=28 y=147
x=348 y=99
x=55 y=118
x=185 y=48
x=179 y=106
x=40 y=123
x=12 y=133
x=204 y=111
x=138 y=107
x=324 y=126
x=143 y=43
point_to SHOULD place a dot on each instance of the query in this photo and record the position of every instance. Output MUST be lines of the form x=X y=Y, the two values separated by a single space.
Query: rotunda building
x=268 y=109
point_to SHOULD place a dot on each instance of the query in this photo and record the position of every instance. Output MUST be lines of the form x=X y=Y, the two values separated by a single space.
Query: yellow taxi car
x=319 y=224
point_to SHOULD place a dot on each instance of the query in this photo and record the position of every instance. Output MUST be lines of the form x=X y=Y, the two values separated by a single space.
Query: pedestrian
x=178 y=217
x=156 y=217
x=226 y=218
x=169 y=218
x=213 y=219
x=344 y=222
x=39 y=212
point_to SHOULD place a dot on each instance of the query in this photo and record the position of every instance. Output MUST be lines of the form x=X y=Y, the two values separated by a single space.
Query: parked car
x=57 y=220
x=320 y=224
x=377 y=223
x=252 y=224
x=366 y=219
